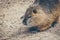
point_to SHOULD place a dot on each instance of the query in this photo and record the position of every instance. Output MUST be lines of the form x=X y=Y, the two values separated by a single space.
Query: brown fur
x=42 y=19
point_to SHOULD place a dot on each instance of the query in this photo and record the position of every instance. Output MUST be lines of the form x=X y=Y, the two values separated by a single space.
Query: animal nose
x=33 y=30
x=25 y=22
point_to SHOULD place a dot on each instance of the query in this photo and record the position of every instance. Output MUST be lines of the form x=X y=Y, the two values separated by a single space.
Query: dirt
x=11 y=27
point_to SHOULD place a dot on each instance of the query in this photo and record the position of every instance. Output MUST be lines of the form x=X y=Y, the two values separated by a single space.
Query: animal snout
x=25 y=22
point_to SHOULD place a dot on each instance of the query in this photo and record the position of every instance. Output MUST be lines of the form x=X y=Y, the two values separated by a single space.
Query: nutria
x=42 y=14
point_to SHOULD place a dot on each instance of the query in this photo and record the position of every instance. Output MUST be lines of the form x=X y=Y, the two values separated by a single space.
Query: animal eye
x=35 y=11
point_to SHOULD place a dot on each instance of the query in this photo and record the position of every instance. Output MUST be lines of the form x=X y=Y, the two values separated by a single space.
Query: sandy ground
x=11 y=27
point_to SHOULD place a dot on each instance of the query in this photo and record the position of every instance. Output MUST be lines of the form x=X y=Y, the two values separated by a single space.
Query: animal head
x=39 y=14
x=34 y=13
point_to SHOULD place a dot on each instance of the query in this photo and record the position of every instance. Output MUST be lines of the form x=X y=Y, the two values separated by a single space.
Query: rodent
x=42 y=14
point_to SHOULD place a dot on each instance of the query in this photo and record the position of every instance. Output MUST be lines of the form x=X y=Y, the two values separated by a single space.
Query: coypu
x=42 y=14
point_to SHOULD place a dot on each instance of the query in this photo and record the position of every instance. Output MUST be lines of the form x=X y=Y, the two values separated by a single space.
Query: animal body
x=42 y=14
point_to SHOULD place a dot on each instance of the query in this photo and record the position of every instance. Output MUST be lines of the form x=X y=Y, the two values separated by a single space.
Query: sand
x=11 y=27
